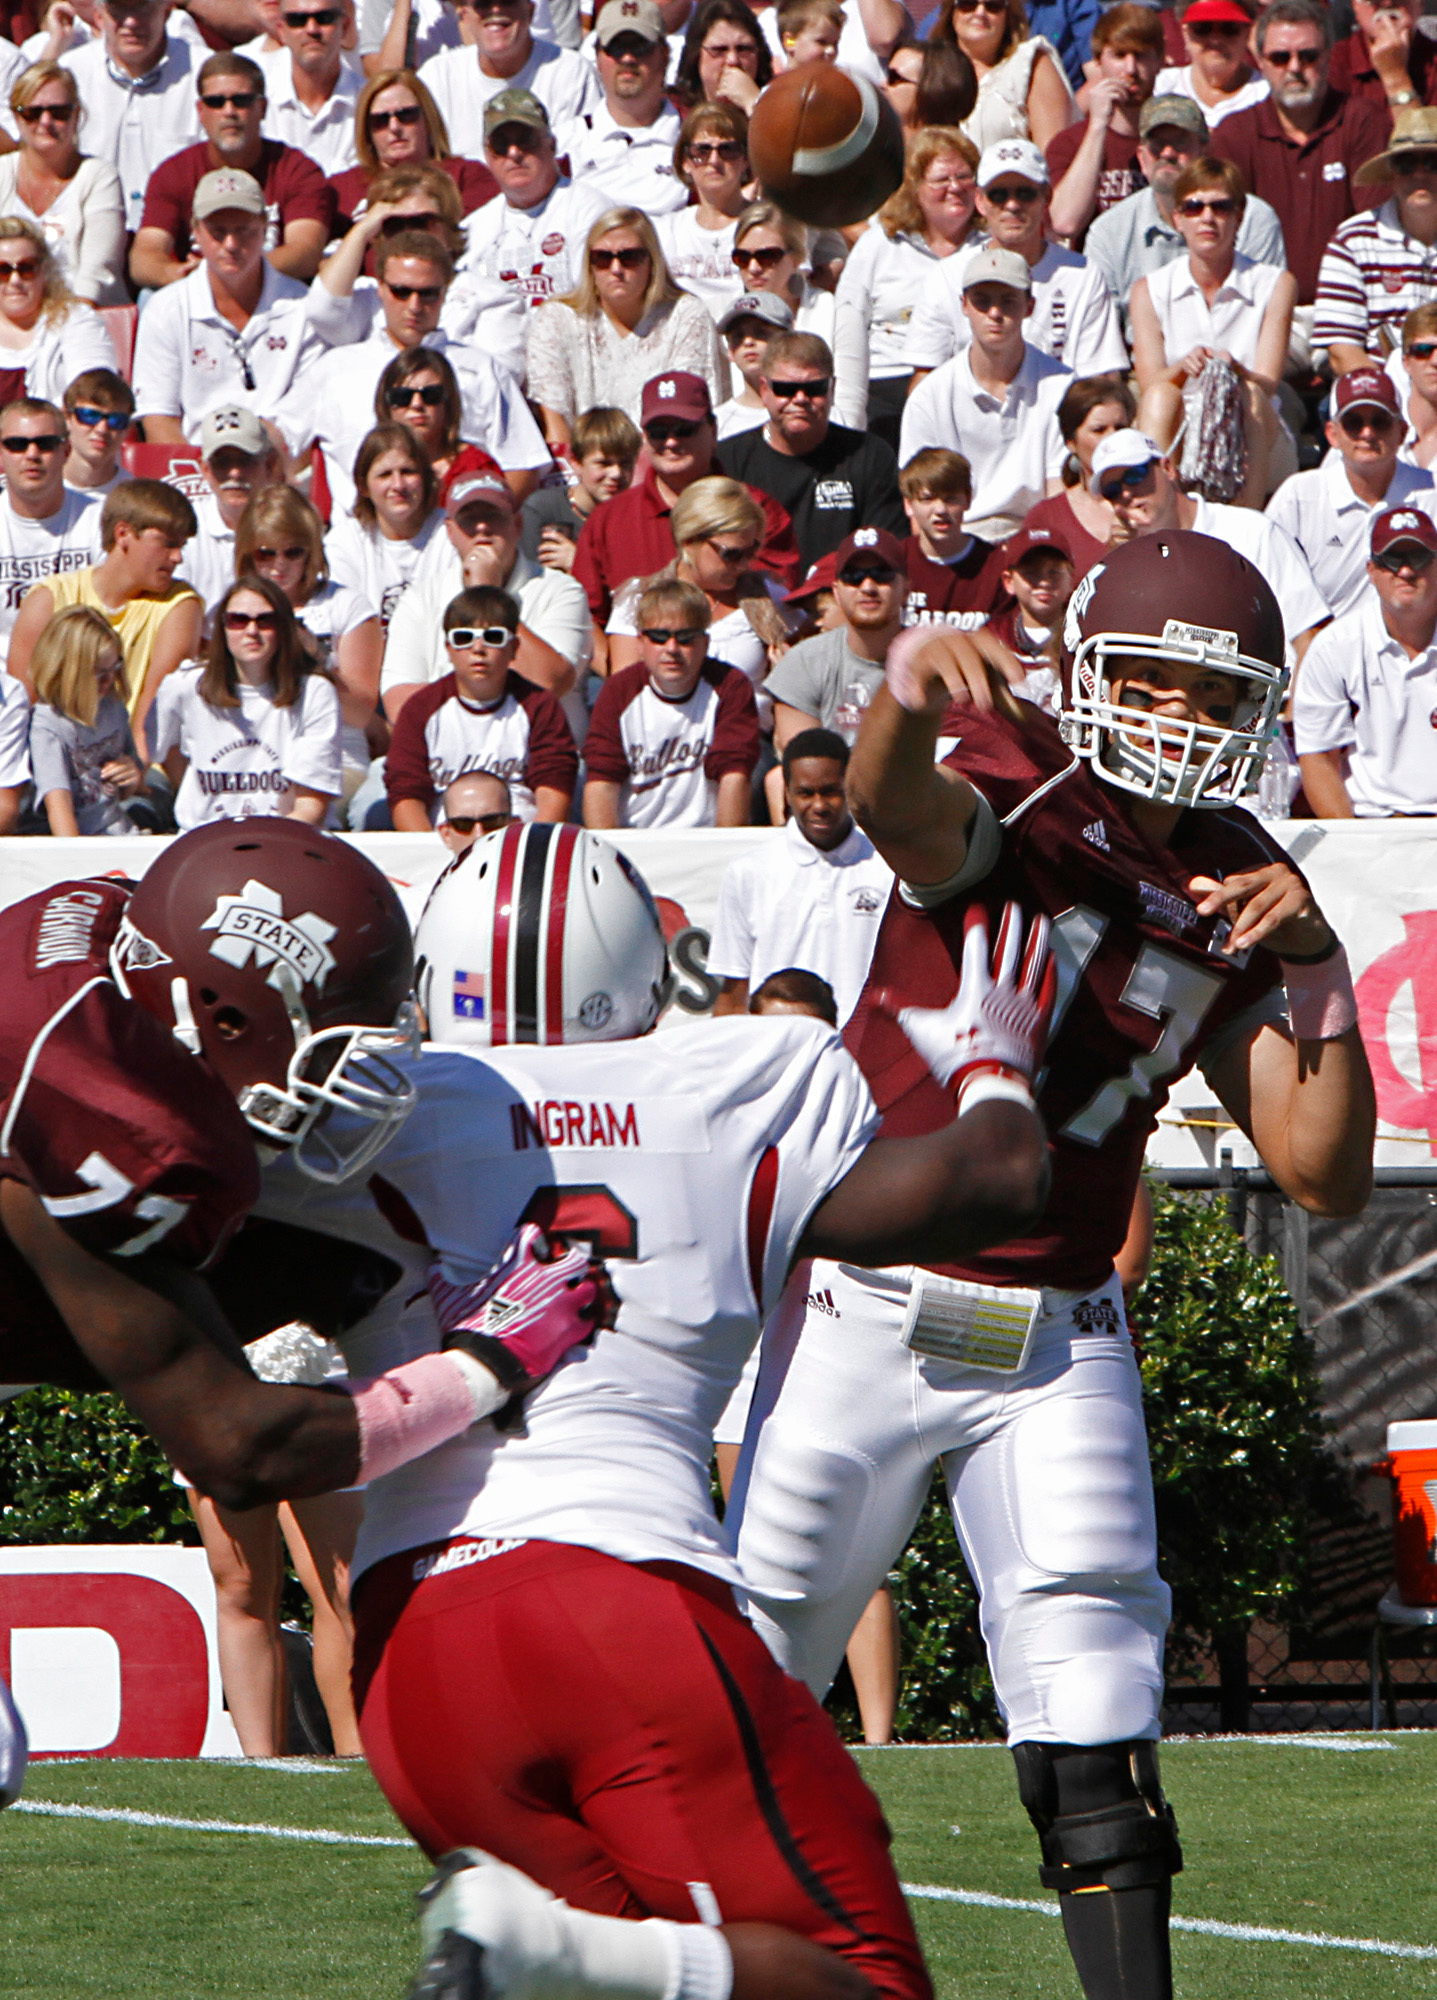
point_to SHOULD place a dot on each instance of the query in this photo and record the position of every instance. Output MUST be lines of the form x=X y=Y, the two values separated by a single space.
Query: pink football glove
x=539 y=1300
x=997 y=1023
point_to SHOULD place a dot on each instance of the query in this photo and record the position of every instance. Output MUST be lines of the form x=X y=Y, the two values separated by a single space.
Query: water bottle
x=848 y=716
x=1277 y=781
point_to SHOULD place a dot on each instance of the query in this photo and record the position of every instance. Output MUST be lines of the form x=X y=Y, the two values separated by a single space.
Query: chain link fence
x=1366 y=1290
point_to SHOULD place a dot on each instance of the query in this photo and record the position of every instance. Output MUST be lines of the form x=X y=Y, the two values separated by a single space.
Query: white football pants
x=1047 y=1476
x=12 y=1749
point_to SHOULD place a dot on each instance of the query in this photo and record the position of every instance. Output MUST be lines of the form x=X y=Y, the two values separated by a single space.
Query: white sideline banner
x=1375 y=879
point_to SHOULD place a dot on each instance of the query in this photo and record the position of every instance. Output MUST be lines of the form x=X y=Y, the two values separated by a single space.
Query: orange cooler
x=1412 y=1466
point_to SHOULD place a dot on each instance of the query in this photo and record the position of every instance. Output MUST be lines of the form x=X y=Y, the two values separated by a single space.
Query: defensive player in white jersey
x=550 y=1667
x=1181 y=935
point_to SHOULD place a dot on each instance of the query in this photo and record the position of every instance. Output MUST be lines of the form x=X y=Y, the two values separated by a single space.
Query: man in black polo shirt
x=829 y=480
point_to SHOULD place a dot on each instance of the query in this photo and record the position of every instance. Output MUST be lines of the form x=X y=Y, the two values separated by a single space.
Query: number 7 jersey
x=1144 y=992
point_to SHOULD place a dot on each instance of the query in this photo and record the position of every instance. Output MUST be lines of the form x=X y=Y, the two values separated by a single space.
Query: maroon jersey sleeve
x=736 y=745
x=1143 y=986
x=604 y=746
x=406 y=767
x=131 y=1142
x=552 y=759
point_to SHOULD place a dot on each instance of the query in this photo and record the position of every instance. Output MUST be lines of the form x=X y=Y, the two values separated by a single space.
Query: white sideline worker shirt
x=1359 y=691
x=791 y=903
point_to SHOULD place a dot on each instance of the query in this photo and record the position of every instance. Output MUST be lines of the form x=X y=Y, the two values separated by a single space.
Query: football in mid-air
x=826 y=145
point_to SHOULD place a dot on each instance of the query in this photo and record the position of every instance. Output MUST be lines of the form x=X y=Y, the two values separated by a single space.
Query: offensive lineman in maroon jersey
x=1181 y=936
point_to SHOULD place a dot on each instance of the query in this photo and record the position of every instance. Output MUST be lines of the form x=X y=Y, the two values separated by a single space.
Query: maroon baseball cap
x=822 y=576
x=1027 y=539
x=1403 y=524
x=1370 y=388
x=677 y=395
x=868 y=544
x=481 y=486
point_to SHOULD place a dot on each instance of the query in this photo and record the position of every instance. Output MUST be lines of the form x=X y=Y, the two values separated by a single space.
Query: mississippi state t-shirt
x=521 y=738
x=670 y=755
x=32 y=552
x=850 y=482
x=247 y=760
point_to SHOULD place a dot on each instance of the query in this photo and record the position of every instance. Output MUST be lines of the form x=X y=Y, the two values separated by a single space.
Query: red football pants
x=620 y=1733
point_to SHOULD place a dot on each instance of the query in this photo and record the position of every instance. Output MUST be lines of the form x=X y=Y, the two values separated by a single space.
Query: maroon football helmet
x=1190 y=600
x=283 y=957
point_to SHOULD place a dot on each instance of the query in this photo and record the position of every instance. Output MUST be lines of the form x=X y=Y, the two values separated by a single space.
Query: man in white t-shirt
x=235 y=331
x=623 y=147
x=333 y=401
x=1364 y=711
x=503 y=54
x=46 y=527
x=996 y=401
x=1140 y=485
x=1074 y=317
x=813 y=899
x=312 y=86
x=531 y=236
x=238 y=457
x=137 y=84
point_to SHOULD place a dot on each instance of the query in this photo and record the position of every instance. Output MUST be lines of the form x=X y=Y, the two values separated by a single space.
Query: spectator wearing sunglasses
x=299 y=208
x=137 y=83
x=144 y=526
x=239 y=459
x=632 y=534
x=46 y=336
x=331 y=402
x=1379 y=264
x=398 y=124
x=45 y=527
x=624 y=145
x=624 y=322
x=234 y=331
x=815 y=678
x=711 y=162
x=1217 y=75
x=530 y=237
x=827 y=478
x=50 y=182
x=481 y=716
x=476 y=804
x=1329 y=512
x=254 y=729
x=312 y=85
x=1362 y=707
x=1301 y=147
x=1413 y=369
x=770 y=254
x=673 y=739
x=99 y=409
x=501 y=53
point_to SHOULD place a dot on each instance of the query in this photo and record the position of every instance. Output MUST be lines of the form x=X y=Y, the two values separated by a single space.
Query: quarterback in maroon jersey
x=1182 y=935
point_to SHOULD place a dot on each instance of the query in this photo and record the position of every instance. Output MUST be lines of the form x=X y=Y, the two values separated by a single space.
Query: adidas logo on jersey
x=822 y=1302
x=1097 y=833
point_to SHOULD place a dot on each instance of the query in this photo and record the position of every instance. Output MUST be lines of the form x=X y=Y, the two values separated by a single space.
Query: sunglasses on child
x=462 y=637
x=113 y=420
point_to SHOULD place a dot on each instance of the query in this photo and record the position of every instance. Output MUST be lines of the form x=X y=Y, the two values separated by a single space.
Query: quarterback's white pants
x=12 y=1749
x=1047 y=1476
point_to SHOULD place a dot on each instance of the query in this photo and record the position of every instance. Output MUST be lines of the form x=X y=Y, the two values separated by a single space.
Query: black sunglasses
x=1414 y=163
x=673 y=430
x=1422 y=350
x=1355 y=422
x=430 y=394
x=486 y=822
x=461 y=637
x=660 y=635
x=47 y=441
x=1406 y=555
x=816 y=390
x=322 y=17
x=426 y=294
x=631 y=259
x=242 y=100
x=31 y=114
x=407 y=114
x=766 y=260
x=718 y=149
x=240 y=621
x=1280 y=58
x=425 y=220
x=870 y=573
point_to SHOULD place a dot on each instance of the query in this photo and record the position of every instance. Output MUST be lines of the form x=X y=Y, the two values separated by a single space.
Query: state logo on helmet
x=540 y=934
x=1181 y=599
x=283 y=957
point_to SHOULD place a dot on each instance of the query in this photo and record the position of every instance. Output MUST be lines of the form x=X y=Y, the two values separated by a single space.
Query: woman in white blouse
x=892 y=262
x=625 y=322
x=711 y=158
x=1212 y=302
x=1023 y=92
x=770 y=253
x=76 y=202
x=255 y=729
x=47 y=337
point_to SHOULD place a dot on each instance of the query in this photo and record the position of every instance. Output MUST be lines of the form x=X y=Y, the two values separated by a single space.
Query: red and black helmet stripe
x=527 y=956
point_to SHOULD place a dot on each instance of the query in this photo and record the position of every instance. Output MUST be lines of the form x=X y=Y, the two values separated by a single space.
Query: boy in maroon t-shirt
x=953 y=577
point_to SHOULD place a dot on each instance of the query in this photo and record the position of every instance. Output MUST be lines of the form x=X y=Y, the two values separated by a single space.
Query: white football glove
x=988 y=1041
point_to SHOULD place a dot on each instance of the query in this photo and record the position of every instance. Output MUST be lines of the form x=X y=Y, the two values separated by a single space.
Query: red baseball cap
x=870 y=544
x=822 y=576
x=676 y=395
x=1216 y=10
x=1370 y=388
x=1027 y=539
x=1403 y=524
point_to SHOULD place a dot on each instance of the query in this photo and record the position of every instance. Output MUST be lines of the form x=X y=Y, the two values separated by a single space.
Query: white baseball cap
x=1121 y=449
x=1013 y=156
x=992 y=266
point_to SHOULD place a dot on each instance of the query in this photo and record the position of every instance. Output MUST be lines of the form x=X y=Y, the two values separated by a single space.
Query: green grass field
x=1286 y=1835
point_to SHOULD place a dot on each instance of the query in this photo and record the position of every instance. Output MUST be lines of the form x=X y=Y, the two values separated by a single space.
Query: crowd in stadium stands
x=426 y=390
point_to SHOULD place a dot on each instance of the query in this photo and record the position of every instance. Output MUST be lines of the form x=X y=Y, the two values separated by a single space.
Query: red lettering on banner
x=1410 y=1106
x=164 y=1664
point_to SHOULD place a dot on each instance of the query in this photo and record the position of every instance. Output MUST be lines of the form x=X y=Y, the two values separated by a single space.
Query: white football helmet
x=540 y=934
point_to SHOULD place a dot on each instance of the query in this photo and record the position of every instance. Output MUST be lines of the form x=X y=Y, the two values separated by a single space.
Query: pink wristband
x=409 y=1411
x=1321 y=1004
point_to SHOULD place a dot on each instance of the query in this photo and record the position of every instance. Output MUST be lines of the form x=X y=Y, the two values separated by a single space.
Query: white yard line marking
x=922 y=1891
